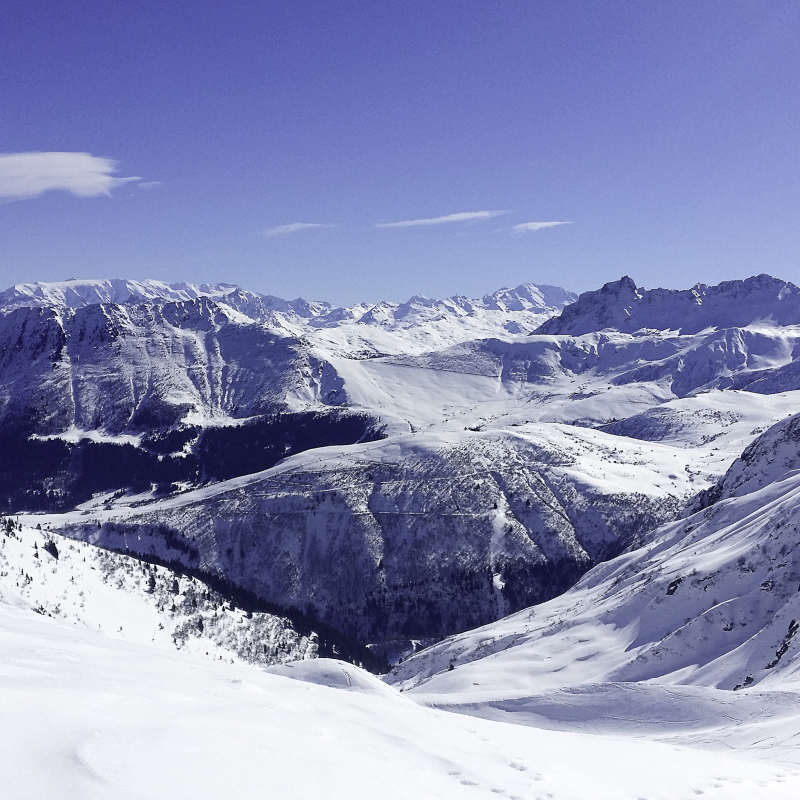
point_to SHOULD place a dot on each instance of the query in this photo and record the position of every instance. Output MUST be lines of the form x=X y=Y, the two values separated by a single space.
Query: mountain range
x=561 y=512
x=380 y=468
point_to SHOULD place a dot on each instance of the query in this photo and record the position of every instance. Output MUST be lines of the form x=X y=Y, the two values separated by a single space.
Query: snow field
x=92 y=717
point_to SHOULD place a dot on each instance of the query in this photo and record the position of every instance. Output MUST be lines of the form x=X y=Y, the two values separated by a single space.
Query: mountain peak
x=74 y=293
x=624 y=285
x=621 y=305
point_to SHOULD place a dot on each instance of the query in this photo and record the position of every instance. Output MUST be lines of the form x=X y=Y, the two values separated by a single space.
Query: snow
x=73 y=435
x=77 y=293
x=88 y=716
x=452 y=320
x=335 y=674
x=689 y=639
x=136 y=601
x=397 y=512
x=774 y=456
x=623 y=306
x=125 y=679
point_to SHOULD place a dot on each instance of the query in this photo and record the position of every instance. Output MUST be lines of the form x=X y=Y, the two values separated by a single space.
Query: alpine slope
x=399 y=472
x=570 y=520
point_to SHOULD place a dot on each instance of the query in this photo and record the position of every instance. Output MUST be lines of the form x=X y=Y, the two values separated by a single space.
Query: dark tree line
x=54 y=475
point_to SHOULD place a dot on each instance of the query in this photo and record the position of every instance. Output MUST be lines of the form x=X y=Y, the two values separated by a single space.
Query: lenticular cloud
x=295 y=227
x=528 y=227
x=26 y=175
x=462 y=216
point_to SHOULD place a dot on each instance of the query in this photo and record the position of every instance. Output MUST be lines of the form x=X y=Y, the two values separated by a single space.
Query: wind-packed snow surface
x=89 y=716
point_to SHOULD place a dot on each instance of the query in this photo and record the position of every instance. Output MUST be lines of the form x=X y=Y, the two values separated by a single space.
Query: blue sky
x=274 y=145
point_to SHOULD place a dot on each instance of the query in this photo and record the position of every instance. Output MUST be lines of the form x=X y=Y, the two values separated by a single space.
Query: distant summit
x=522 y=308
x=621 y=305
x=527 y=299
x=74 y=293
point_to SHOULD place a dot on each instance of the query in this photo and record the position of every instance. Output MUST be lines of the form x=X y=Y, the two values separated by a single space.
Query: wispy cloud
x=463 y=216
x=529 y=227
x=295 y=227
x=26 y=175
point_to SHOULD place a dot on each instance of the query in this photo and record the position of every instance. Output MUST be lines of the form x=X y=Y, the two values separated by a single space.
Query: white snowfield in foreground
x=87 y=716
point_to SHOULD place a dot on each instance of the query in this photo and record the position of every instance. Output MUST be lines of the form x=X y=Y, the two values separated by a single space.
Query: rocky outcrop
x=623 y=306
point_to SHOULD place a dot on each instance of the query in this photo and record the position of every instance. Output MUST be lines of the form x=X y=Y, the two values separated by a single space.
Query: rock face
x=624 y=307
x=127 y=369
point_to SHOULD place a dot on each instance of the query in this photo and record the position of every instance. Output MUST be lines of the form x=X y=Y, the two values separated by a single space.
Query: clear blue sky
x=667 y=134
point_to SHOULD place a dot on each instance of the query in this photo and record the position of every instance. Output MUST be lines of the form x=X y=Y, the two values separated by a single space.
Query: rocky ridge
x=228 y=432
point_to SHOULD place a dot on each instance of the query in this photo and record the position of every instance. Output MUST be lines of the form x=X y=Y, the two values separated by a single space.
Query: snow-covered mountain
x=528 y=303
x=648 y=640
x=413 y=538
x=120 y=357
x=245 y=479
x=622 y=306
x=74 y=293
x=418 y=535
x=400 y=471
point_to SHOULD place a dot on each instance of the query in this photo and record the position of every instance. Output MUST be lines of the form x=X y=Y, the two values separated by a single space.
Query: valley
x=526 y=509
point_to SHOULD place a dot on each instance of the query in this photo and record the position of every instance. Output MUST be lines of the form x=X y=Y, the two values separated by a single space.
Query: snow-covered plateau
x=571 y=520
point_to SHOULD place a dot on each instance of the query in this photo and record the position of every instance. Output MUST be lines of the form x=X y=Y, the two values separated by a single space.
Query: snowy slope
x=414 y=537
x=709 y=600
x=655 y=640
x=771 y=457
x=137 y=601
x=512 y=463
x=425 y=534
x=90 y=716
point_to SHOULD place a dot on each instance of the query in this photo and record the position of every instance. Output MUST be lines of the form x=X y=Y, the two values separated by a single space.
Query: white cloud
x=294 y=227
x=25 y=175
x=528 y=227
x=464 y=216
